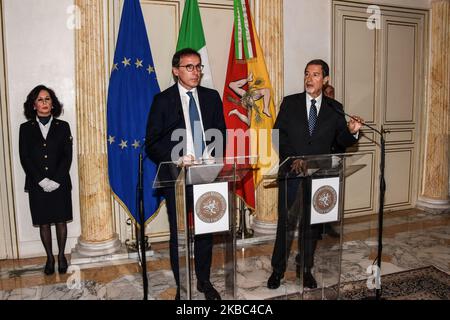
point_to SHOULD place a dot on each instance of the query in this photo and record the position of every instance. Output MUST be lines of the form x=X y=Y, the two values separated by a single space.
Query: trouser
x=293 y=206
x=202 y=243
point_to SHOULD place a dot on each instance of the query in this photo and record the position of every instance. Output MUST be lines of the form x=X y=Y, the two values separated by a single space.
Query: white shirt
x=308 y=104
x=44 y=128
x=185 y=105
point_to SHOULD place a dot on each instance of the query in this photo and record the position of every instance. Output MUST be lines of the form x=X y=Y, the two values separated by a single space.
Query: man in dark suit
x=194 y=110
x=309 y=123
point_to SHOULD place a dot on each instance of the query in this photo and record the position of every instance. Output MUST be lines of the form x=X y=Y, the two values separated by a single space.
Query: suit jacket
x=45 y=158
x=292 y=122
x=166 y=115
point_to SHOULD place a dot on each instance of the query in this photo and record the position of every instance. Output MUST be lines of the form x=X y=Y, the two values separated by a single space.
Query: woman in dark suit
x=45 y=147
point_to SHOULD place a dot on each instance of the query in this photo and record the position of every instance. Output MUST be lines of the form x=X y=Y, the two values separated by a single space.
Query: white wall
x=307 y=36
x=39 y=49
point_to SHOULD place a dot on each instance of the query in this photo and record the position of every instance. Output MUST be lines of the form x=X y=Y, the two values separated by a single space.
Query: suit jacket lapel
x=324 y=114
x=52 y=129
x=37 y=130
x=176 y=102
x=203 y=107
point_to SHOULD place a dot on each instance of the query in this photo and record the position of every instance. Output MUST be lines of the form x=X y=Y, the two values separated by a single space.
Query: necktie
x=312 y=117
x=196 y=128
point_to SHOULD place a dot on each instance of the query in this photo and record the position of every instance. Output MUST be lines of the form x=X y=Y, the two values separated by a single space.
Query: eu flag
x=131 y=89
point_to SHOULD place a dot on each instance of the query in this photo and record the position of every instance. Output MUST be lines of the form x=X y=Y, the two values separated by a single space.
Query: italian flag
x=191 y=35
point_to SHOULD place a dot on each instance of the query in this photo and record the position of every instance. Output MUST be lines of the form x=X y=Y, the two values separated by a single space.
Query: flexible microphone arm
x=380 y=133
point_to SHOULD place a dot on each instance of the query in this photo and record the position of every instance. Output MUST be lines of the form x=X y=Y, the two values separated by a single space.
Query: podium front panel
x=311 y=209
x=223 y=267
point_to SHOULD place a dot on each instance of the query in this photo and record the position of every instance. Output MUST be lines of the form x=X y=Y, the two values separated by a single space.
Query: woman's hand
x=48 y=185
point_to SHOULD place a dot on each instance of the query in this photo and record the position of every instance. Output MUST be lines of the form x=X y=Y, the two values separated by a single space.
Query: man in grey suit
x=309 y=123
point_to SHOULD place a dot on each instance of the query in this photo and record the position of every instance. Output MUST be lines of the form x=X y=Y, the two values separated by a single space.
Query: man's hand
x=299 y=166
x=186 y=161
x=355 y=124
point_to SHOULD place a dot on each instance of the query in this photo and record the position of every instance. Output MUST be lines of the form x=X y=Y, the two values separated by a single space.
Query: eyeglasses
x=190 y=67
x=42 y=100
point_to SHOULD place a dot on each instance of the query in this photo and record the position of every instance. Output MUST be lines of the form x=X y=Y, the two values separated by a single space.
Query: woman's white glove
x=48 y=185
x=53 y=185
x=44 y=183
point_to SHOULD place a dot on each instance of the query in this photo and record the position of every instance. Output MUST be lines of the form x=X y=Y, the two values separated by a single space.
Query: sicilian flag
x=191 y=35
x=132 y=86
x=248 y=101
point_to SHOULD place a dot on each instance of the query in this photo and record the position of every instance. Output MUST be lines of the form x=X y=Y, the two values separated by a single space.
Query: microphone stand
x=380 y=209
x=142 y=227
x=380 y=203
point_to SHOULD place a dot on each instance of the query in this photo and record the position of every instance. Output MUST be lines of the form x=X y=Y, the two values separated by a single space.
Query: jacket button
x=45 y=156
x=46 y=168
x=44 y=144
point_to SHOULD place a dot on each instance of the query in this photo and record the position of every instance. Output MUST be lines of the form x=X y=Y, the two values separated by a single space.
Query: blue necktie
x=196 y=127
x=312 y=117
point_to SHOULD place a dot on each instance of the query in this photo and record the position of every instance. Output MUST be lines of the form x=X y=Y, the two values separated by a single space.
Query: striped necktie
x=312 y=117
x=196 y=128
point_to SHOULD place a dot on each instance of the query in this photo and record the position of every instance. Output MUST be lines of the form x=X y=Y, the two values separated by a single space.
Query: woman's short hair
x=28 y=106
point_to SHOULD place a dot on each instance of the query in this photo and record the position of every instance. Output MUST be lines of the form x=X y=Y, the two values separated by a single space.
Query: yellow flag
x=263 y=119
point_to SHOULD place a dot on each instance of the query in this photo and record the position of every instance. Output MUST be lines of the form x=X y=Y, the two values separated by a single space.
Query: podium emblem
x=325 y=199
x=211 y=207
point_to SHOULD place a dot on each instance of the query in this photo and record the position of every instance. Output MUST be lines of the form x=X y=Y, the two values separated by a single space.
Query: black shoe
x=274 y=280
x=62 y=265
x=177 y=296
x=309 y=281
x=329 y=230
x=207 y=288
x=49 y=267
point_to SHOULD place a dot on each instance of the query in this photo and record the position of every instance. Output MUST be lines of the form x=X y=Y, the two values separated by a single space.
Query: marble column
x=435 y=184
x=269 y=24
x=97 y=230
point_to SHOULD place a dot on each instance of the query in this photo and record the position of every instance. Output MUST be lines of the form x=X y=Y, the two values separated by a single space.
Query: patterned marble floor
x=412 y=239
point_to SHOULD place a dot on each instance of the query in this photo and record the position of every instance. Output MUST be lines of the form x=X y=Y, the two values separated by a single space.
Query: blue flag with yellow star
x=132 y=86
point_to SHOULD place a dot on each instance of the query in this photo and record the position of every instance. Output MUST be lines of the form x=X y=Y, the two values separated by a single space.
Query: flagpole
x=142 y=227
x=131 y=89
